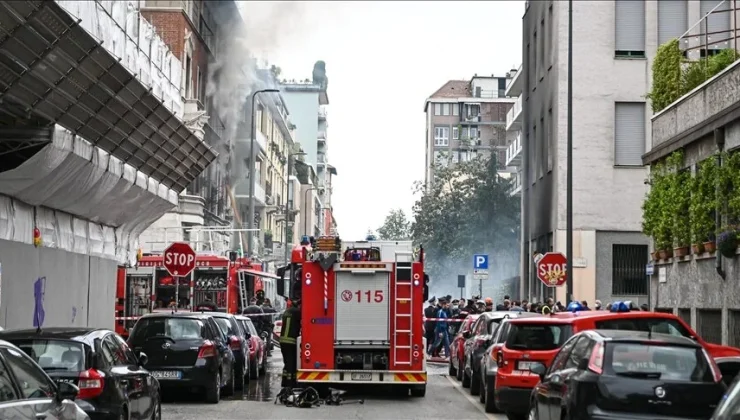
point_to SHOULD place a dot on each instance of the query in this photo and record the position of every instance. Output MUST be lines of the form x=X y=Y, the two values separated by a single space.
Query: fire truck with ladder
x=228 y=280
x=361 y=313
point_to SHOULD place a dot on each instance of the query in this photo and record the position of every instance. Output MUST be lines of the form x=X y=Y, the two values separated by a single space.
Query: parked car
x=186 y=350
x=111 y=380
x=27 y=392
x=238 y=342
x=257 y=349
x=620 y=374
x=457 y=347
x=478 y=340
x=729 y=406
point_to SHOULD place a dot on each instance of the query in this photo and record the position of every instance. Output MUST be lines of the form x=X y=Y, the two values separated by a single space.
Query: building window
x=541 y=49
x=542 y=167
x=446 y=109
x=188 y=78
x=441 y=136
x=629 y=133
x=551 y=34
x=535 y=69
x=472 y=110
x=473 y=132
x=534 y=158
x=258 y=116
x=673 y=19
x=437 y=109
x=628 y=270
x=630 y=28
x=455 y=133
x=709 y=325
x=455 y=109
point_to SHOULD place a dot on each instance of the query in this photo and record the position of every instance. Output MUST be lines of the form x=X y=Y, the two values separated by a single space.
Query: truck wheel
x=419 y=391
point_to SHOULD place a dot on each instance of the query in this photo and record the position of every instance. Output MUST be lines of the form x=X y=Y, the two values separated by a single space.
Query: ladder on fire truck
x=243 y=289
x=404 y=314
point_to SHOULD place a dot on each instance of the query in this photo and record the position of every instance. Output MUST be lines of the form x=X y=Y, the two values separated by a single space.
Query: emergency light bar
x=625 y=306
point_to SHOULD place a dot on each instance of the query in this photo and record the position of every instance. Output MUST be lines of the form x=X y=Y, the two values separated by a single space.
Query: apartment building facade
x=613 y=47
x=513 y=156
x=309 y=100
x=464 y=119
x=193 y=30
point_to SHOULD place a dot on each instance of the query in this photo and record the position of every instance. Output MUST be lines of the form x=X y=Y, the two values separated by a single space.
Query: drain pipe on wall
x=719 y=139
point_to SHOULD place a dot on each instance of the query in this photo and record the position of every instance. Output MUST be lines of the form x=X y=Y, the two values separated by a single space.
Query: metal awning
x=259 y=273
x=50 y=67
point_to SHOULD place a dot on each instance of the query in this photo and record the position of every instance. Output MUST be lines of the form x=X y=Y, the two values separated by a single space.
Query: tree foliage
x=467 y=209
x=396 y=227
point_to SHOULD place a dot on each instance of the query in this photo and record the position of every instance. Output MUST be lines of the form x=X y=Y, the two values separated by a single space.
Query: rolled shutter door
x=672 y=19
x=630 y=25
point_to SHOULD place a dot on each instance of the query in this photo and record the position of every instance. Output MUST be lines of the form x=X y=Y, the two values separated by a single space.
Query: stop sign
x=551 y=269
x=179 y=259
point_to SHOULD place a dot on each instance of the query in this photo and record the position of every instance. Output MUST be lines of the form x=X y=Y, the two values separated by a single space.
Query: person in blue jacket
x=440 y=331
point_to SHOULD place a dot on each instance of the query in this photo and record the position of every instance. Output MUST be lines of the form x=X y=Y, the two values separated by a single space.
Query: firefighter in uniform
x=289 y=333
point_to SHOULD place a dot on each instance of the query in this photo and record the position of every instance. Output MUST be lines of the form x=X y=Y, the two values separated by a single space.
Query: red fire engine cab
x=229 y=281
x=361 y=313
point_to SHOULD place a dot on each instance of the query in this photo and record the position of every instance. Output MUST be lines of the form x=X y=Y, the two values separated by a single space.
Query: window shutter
x=718 y=22
x=629 y=133
x=630 y=25
x=673 y=17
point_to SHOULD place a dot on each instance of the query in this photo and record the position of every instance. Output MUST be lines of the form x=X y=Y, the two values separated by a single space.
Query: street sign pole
x=480 y=270
x=177 y=292
x=480 y=287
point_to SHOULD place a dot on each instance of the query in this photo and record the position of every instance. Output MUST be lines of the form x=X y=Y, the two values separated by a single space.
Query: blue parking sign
x=480 y=262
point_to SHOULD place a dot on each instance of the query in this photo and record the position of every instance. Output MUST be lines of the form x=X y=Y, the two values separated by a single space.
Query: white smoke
x=233 y=75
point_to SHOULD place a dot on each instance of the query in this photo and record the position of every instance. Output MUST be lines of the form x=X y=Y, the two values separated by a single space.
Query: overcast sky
x=383 y=59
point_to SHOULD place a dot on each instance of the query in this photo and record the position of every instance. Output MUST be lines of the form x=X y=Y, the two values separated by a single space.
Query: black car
x=608 y=374
x=238 y=342
x=186 y=350
x=27 y=392
x=729 y=408
x=112 y=383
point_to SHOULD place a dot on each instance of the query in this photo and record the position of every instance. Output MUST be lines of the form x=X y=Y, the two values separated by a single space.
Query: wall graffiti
x=39 y=290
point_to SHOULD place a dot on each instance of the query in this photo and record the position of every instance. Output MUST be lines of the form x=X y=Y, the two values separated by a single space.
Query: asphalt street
x=445 y=400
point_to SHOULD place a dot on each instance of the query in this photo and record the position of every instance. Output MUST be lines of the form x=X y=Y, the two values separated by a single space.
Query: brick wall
x=170 y=26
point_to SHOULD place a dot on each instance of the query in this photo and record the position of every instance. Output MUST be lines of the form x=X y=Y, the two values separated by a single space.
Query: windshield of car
x=665 y=362
x=55 y=355
x=654 y=325
x=537 y=336
x=172 y=328
x=225 y=325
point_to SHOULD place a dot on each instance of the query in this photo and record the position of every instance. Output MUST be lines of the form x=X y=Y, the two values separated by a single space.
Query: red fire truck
x=229 y=281
x=361 y=312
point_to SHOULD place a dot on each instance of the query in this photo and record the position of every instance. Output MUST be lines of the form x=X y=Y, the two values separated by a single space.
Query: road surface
x=445 y=400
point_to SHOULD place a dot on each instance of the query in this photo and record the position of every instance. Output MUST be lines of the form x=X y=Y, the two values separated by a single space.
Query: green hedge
x=673 y=76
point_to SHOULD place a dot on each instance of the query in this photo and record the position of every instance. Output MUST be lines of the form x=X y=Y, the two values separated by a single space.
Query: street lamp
x=289 y=202
x=252 y=177
x=569 y=172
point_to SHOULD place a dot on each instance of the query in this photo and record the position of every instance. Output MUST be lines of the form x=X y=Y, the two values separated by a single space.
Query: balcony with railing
x=514 y=86
x=516 y=189
x=321 y=136
x=514 y=116
x=514 y=151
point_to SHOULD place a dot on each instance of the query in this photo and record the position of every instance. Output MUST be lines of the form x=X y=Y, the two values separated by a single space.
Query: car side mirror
x=583 y=364
x=143 y=358
x=538 y=369
x=66 y=391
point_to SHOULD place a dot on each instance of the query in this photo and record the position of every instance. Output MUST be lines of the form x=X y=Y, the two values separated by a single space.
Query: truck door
x=362 y=309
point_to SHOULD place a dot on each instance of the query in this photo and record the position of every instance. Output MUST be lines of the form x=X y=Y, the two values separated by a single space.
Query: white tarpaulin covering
x=130 y=37
x=75 y=178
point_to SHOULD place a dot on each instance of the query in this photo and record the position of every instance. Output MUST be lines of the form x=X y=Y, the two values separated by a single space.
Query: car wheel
x=451 y=370
x=157 y=414
x=239 y=377
x=263 y=366
x=124 y=413
x=253 y=369
x=474 y=383
x=465 y=379
x=515 y=416
x=213 y=390
x=231 y=385
x=490 y=390
x=459 y=373
x=533 y=415
x=482 y=391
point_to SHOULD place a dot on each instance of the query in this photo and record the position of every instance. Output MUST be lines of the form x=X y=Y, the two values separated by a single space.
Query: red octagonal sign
x=179 y=259
x=551 y=269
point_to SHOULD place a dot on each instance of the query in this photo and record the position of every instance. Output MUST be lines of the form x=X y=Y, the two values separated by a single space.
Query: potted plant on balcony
x=703 y=205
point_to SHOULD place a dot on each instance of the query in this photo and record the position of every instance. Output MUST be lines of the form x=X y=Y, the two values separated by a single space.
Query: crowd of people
x=439 y=331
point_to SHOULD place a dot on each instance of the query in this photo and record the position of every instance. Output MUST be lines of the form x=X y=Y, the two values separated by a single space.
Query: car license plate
x=525 y=365
x=362 y=376
x=167 y=374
